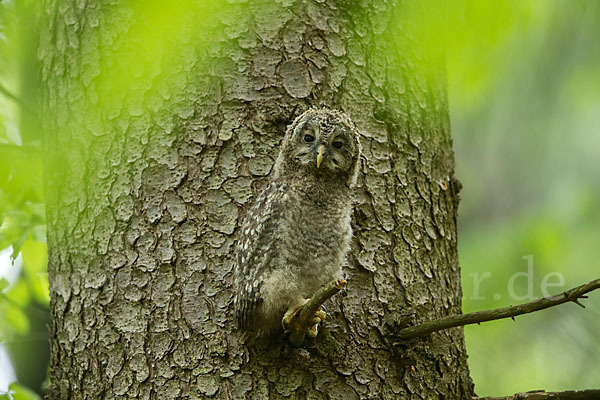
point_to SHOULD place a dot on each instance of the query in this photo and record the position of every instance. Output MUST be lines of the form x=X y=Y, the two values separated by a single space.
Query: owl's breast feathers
x=291 y=228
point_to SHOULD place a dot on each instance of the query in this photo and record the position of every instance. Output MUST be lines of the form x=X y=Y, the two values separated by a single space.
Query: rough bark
x=162 y=124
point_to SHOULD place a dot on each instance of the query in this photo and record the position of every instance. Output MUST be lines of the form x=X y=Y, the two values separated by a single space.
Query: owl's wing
x=256 y=248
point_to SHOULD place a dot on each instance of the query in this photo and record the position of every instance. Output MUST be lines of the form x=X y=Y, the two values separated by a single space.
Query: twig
x=301 y=322
x=506 y=312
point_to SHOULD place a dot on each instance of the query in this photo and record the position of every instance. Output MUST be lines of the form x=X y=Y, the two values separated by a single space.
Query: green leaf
x=3 y=284
x=19 y=392
x=35 y=257
x=19 y=293
x=13 y=321
x=35 y=260
x=22 y=213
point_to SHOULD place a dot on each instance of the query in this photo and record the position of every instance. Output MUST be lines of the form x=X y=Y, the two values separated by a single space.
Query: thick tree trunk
x=163 y=122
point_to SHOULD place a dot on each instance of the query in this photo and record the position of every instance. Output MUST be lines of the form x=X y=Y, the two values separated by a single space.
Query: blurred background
x=524 y=94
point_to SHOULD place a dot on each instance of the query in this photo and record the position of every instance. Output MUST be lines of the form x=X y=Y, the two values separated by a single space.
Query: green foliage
x=35 y=260
x=18 y=392
x=22 y=215
x=3 y=60
x=524 y=90
x=21 y=190
x=22 y=212
x=32 y=286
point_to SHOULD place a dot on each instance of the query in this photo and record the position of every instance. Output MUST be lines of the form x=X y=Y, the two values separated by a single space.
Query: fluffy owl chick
x=296 y=235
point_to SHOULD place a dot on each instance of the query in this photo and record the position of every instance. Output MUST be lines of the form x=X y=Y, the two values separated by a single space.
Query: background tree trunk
x=162 y=123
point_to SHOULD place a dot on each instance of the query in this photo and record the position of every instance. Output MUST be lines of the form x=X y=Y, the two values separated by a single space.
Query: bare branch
x=543 y=395
x=572 y=295
x=301 y=322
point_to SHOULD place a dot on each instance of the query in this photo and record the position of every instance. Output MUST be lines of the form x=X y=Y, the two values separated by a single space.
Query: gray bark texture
x=162 y=122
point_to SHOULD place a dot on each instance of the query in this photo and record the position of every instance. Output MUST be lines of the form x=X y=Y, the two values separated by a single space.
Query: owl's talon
x=290 y=314
x=313 y=331
x=340 y=284
x=321 y=315
x=287 y=319
x=327 y=315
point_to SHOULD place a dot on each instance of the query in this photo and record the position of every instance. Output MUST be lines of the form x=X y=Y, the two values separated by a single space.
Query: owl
x=297 y=233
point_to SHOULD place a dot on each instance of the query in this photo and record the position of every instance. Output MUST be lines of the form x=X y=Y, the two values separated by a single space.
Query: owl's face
x=323 y=143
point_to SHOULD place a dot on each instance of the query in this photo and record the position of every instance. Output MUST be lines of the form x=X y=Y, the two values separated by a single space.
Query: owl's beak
x=320 y=155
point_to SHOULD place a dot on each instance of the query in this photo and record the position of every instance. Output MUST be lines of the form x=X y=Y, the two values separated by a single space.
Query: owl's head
x=321 y=142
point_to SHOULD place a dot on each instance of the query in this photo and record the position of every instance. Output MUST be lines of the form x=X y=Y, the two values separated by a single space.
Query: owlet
x=295 y=237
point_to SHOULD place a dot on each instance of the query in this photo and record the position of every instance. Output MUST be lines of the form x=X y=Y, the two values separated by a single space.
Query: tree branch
x=543 y=395
x=572 y=295
x=302 y=321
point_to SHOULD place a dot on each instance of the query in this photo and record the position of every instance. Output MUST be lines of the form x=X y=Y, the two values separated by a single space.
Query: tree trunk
x=161 y=125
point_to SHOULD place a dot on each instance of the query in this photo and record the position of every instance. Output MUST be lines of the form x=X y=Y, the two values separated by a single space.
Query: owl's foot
x=320 y=316
x=291 y=314
x=313 y=330
x=340 y=284
x=307 y=322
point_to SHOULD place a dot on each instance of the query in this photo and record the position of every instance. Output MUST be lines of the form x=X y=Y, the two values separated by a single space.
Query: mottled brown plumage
x=295 y=237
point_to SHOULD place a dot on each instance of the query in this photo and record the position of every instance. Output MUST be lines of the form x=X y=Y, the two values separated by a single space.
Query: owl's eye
x=309 y=138
x=337 y=144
